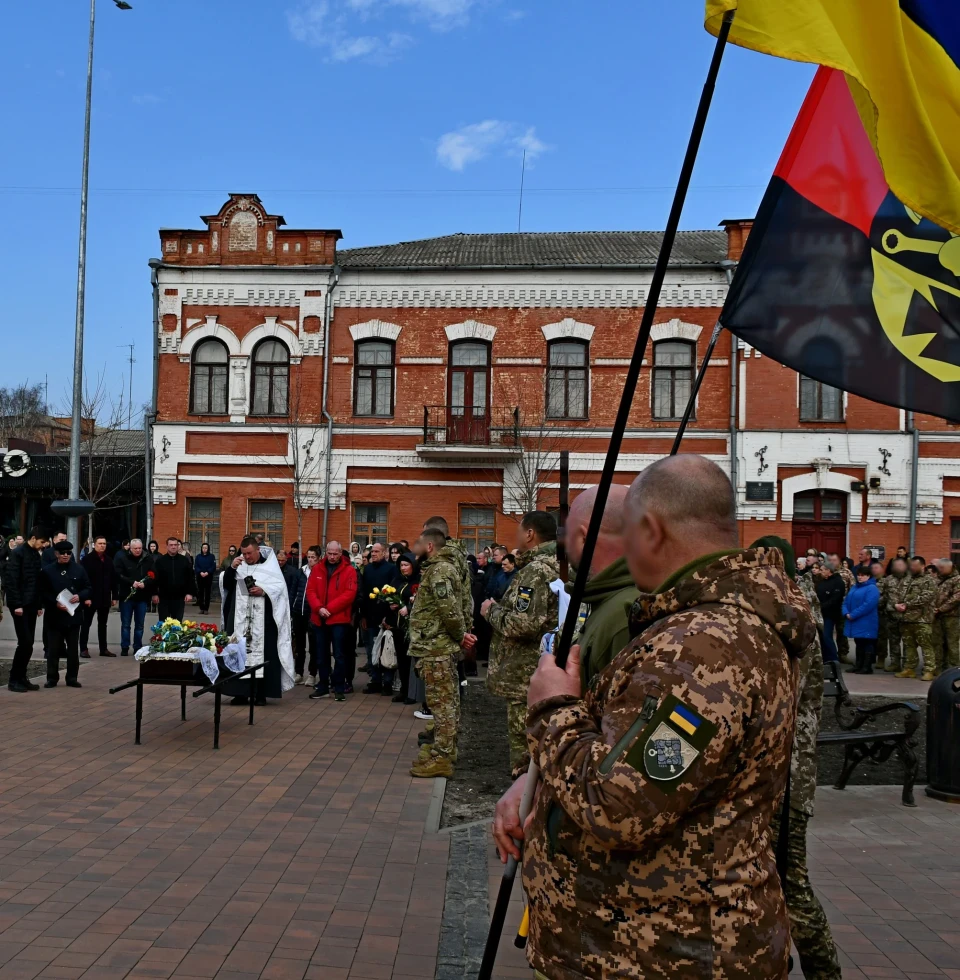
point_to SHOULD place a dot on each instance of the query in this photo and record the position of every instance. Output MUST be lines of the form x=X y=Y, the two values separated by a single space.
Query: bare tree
x=23 y=412
x=111 y=455
x=304 y=457
x=538 y=440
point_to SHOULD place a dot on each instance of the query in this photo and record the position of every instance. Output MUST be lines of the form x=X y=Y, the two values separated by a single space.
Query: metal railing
x=446 y=425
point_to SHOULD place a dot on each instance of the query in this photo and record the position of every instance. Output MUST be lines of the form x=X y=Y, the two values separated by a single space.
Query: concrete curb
x=435 y=809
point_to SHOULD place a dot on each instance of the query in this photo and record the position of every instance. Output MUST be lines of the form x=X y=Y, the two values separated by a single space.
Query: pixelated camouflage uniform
x=843 y=644
x=920 y=597
x=809 y=591
x=634 y=875
x=894 y=591
x=526 y=612
x=946 y=624
x=883 y=632
x=436 y=632
x=458 y=554
x=809 y=927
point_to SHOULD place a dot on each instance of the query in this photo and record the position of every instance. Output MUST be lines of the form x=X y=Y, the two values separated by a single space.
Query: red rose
x=151 y=575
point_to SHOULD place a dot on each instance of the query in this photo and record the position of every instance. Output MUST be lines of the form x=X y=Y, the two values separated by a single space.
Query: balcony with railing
x=470 y=434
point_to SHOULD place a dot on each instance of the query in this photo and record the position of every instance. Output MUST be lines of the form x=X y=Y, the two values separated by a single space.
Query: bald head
x=609 y=546
x=676 y=510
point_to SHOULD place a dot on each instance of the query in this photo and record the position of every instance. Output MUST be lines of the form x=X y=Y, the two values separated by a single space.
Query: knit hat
x=785 y=548
x=63 y=548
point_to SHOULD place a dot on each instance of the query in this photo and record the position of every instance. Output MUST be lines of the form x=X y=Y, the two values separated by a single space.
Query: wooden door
x=820 y=521
x=468 y=396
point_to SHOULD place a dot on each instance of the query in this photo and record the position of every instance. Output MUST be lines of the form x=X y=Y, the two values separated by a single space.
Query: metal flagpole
x=73 y=490
x=613 y=451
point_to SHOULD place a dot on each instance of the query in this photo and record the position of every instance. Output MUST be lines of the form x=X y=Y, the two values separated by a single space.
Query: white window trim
x=375 y=330
x=675 y=329
x=206 y=331
x=470 y=330
x=793 y=485
x=270 y=329
x=567 y=328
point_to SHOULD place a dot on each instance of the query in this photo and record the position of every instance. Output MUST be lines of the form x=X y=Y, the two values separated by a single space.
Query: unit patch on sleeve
x=671 y=743
x=523 y=598
x=441 y=589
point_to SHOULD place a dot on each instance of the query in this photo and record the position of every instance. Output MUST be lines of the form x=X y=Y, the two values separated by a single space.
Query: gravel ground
x=890 y=773
x=483 y=765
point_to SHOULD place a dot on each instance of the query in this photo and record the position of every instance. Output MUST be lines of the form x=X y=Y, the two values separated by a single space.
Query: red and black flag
x=841 y=281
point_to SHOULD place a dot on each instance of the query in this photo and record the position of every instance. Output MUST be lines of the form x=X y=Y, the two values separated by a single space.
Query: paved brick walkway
x=296 y=851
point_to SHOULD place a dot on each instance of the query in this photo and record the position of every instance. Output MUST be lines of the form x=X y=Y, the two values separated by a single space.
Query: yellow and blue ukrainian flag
x=902 y=62
x=684 y=719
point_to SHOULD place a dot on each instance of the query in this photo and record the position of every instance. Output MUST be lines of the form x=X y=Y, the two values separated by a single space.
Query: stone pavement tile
x=297 y=850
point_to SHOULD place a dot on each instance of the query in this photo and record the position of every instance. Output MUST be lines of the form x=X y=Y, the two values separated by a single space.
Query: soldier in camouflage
x=603 y=625
x=527 y=611
x=458 y=553
x=809 y=927
x=437 y=631
x=894 y=591
x=649 y=850
x=916 y=607
x=946 y=622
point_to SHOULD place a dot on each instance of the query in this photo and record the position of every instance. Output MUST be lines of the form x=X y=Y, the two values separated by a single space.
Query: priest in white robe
x=256 y=607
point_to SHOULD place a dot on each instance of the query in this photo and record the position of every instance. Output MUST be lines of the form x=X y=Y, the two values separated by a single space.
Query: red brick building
x=456 y=368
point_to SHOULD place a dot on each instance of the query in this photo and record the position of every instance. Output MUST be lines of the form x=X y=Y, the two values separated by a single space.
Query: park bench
x=877 y=745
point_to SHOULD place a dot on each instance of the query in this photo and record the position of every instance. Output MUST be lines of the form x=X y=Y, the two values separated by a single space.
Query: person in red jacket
x=330 y=594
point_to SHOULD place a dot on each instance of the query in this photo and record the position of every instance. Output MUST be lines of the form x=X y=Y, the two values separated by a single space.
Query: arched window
x=271 y=378
x=672 y=377
x=567 y=379
x=208 y=384
x=373 y=378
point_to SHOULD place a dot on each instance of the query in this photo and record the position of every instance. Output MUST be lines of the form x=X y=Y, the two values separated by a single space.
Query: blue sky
x=389 y=119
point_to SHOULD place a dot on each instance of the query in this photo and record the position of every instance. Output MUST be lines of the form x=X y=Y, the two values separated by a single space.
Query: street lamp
x=74 y=507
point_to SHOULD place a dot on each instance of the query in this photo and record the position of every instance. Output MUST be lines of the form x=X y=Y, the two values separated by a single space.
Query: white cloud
x=468 y=144
x=349 y=29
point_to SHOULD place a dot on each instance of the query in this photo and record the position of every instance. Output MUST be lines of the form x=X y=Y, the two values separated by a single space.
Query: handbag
x=384 y=650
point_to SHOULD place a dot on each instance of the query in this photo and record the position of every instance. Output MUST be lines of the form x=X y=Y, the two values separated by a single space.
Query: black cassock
x=270 y=685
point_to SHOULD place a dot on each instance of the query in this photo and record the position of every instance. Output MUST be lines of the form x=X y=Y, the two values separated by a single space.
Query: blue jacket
x=205 y=563
x=861 y=605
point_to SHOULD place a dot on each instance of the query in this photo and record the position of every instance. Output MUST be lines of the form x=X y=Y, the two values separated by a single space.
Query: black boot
x=858 y=669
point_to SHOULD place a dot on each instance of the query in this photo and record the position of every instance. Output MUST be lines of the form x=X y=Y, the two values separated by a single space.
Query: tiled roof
x=545 y=250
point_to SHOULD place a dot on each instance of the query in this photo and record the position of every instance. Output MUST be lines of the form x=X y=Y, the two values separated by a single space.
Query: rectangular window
x=266 y=518
x=477 y=527
x=567 y=380
x=955 y=541
x=819 y=402
x=369 y=524
x=203 y=524
x=373 y=378
x=672 y=378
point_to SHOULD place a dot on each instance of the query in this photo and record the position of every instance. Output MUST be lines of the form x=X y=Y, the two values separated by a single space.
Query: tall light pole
x=74 y=507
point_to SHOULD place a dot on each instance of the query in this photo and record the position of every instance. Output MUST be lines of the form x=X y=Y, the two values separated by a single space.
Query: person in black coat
x=22 y=583
x=103 y=596
x=831 y=591
x=62 y=627
x=176 y=582
x=136 y=576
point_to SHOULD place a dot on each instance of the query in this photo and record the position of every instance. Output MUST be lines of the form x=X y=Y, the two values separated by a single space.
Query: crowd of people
x=902 y=617
x=693 y=688
x=495 y=605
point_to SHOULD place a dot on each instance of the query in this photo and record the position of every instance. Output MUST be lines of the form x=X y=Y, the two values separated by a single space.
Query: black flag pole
x=613 y=452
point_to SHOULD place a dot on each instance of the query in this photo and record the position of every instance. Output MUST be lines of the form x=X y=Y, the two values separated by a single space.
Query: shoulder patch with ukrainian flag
x=671 y=742
x=523 y=598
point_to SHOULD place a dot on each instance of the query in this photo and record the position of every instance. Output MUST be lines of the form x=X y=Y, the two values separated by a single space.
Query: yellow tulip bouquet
x=389 y=595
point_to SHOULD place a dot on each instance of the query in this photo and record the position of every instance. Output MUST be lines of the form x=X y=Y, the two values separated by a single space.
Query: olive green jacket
x=609 y=596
